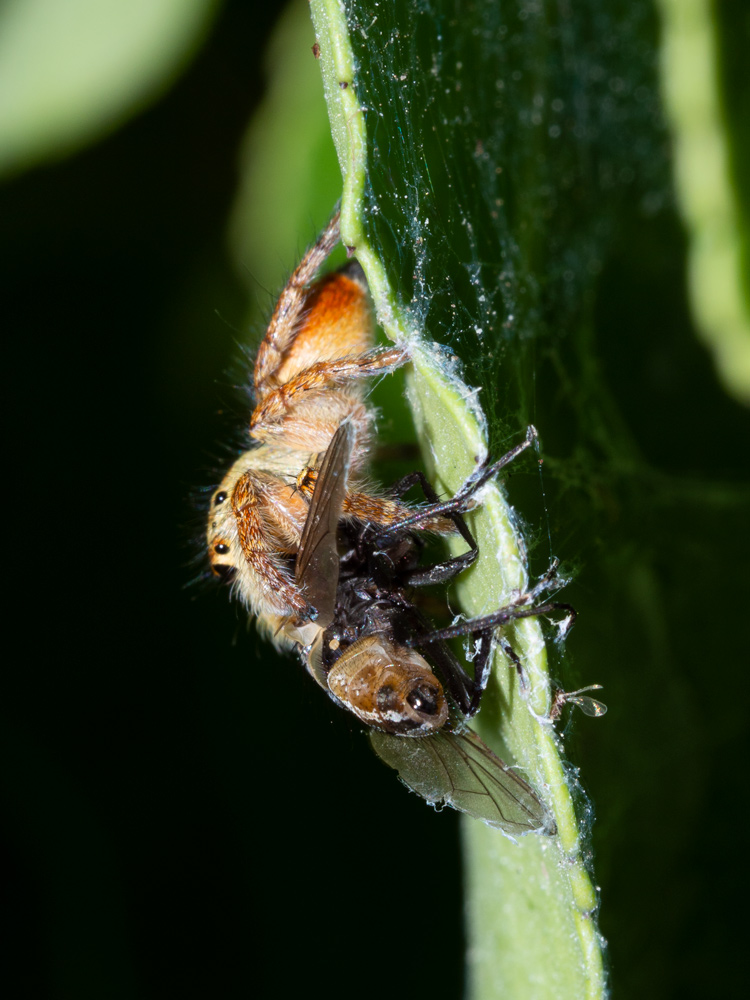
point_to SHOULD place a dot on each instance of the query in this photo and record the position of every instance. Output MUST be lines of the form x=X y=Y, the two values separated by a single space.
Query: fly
x=377 y=656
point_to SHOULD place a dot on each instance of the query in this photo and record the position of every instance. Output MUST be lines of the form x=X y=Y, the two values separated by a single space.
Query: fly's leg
x=518 y=608
x=463 y=500
x=485 y=628
x=441 y=572
x=512 y=655
x=452 y=510
x=464 y=690
x=499 y=618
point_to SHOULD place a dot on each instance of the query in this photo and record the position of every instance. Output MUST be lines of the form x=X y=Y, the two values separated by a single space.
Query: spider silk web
x=503 y=139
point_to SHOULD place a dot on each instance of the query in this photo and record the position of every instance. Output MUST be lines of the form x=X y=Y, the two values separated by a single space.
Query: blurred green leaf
x=287 y=159
x=709 y=183
x=71 y=71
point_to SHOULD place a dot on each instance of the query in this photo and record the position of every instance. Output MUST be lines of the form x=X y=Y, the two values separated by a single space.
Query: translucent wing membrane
x=459 y=770
x=589 y=706
x=317 y=567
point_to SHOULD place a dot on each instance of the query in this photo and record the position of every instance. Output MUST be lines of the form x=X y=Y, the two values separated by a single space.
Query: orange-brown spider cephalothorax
x=309 y=379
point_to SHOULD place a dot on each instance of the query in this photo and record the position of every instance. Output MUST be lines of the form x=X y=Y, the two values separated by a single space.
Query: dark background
x=183 y=813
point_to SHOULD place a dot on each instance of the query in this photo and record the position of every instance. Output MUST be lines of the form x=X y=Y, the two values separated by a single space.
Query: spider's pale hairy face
x=309 y=379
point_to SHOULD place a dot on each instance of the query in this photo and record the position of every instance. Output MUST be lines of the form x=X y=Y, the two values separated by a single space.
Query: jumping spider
x=328 y=567
x=309 y=378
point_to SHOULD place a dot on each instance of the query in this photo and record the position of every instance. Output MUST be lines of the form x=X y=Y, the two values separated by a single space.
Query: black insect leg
x=517 y=608
x=497 y=619
x=483 y=474
x=482 y=667
x=465 y=691
x=445 y=571
x=512 y=655
x=462 y=689
x=440 y=572
x=461 y=501
x=453 y=509
x=485 y=628
x=402 y=486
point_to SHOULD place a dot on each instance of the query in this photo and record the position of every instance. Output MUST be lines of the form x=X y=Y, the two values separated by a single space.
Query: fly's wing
x=317 y=566
x=459 y=770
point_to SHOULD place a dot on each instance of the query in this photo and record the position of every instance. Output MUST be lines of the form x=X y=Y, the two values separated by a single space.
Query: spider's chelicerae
x=309 y=379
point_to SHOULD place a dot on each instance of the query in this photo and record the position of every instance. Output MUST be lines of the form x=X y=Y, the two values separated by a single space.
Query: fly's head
x=389 y=686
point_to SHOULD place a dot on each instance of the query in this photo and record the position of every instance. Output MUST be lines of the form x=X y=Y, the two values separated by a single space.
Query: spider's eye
x=221 y=548
x=220 y=497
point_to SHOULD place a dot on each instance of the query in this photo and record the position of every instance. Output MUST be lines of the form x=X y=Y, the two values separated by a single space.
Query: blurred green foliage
x=71 y=72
